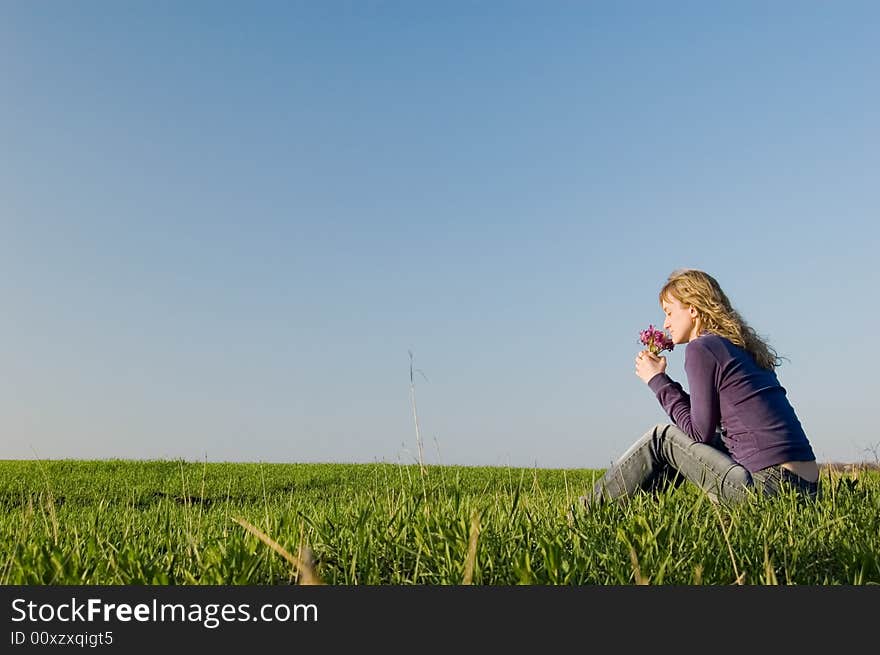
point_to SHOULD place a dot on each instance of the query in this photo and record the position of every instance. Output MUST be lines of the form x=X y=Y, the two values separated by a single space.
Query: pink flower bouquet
x=655 y=340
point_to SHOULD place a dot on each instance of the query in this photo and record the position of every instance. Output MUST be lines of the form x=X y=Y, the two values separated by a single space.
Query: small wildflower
x=655 y=340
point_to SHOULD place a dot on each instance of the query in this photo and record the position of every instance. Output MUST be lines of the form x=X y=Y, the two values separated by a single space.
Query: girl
x=735 y=430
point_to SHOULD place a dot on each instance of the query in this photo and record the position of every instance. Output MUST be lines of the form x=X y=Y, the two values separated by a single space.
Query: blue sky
x=225 y=225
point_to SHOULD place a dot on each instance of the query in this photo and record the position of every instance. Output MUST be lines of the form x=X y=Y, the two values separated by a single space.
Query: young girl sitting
x=735 y=430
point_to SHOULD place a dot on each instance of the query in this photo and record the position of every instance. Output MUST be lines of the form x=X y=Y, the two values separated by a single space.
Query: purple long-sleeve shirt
x=728 y=390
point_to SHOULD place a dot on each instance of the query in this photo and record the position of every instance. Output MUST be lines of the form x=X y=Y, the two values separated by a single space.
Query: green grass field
x=175 y=522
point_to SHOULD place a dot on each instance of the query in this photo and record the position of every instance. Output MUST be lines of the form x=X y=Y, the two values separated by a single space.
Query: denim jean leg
x=707 y=465
x=635 y=469
x=664 y=451
x=774 y=480
x=768 y=481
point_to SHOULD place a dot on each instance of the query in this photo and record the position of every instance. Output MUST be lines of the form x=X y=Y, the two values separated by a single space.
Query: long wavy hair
x=702 y=291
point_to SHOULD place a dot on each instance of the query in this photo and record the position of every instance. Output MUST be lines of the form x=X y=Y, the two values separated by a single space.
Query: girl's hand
x=648 y=365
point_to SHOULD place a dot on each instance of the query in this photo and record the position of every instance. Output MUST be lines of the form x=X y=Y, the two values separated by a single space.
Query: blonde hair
x=702 y=291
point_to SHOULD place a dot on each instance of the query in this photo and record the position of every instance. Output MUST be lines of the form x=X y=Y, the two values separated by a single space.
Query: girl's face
x=681 y=321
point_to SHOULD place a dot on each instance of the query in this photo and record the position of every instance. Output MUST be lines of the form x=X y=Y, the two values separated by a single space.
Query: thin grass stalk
x=740 y=578
x=412 y=389
x=769 y=573
x=202 y=496
x=471 y=559
x=265 y=495
x=637 y=571
x=50 y=503
x=304 y=565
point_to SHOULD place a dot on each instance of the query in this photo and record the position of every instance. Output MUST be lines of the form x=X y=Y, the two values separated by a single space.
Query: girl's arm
x=697 y=414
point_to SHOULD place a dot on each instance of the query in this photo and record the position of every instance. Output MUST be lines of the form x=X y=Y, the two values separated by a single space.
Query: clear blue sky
x=224 y=225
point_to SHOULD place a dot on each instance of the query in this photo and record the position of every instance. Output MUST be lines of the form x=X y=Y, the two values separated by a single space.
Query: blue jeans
x=666 y=455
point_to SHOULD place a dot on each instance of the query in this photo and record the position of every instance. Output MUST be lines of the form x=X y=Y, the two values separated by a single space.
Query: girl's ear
x=693 y=311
